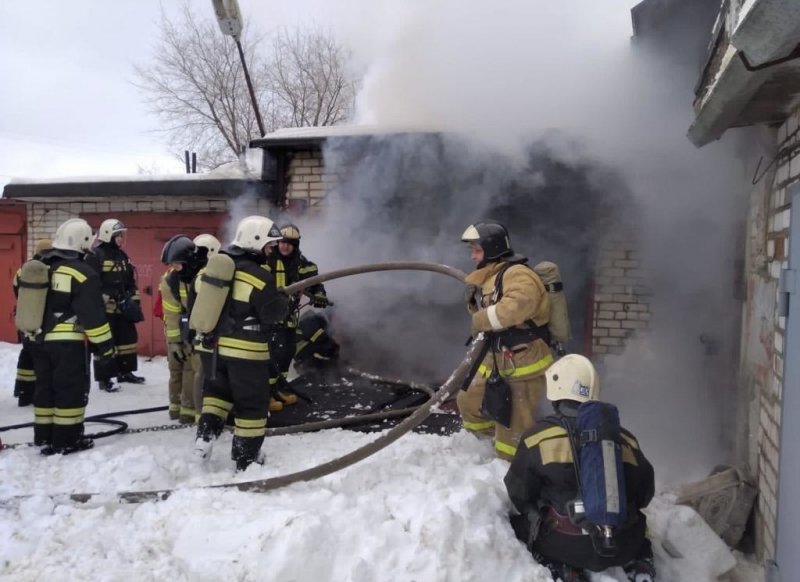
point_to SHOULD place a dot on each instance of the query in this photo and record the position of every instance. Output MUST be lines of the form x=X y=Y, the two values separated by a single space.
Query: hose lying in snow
x=448 y=389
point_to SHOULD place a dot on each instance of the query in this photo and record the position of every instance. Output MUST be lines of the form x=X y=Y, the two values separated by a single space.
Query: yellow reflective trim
x=43 y=415
x=27 y=375
x=628 y=456
x=231 y=342
x=250 y=432
x=218 y=402
x=79 y=277
x=304 y=270
x=251 y=422
x=68 y=416
x=187 y=411
x=126 y=349
x=174 y=407
x=250 y=280
x=61 y=282
x=300 y=346
x=316 y=335
x=548 y=433
x=65 y=336
x=537 y=366
x=243 y=354
x=99 y=330
x=273 y=381
x=171 y=307
x=505 y=448
x=556 y=450
x=173 y=333
x=478 y=426
x=242 y=291
x=182 y=291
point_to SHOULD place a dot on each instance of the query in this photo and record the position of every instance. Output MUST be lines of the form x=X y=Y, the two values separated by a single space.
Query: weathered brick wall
x=763 y=361
x=621 y=303
x=306 y=178
x=45 y=217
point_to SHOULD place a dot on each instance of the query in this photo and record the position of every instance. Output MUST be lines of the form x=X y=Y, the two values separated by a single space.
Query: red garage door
x=12 y=255
x=147 y=233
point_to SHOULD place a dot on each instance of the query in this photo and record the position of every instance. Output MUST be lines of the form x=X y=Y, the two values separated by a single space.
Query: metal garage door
x=12 y=255
x=147 y=233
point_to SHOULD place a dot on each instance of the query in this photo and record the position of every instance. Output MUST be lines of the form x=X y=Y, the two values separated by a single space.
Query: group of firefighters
x=232 y=337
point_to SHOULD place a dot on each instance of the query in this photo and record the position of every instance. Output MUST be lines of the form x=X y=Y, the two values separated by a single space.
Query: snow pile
x=427 y=508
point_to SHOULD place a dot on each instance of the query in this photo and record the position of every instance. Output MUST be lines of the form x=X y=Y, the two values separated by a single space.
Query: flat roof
x=303 y=136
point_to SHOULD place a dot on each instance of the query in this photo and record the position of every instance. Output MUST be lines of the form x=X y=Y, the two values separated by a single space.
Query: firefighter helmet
x=255 y=232
x=178 y=249
x=573 y=377
x=74 y=235
x=291 y=234
x=110 y=228
x=208 y=241
x=491 y=236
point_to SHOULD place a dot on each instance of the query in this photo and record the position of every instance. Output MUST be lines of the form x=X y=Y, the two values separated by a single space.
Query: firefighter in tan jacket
x=506 y=298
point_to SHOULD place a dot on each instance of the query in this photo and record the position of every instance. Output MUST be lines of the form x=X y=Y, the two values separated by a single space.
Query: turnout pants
x=197 y=384
x=125 y=340
x=283 y=346
x=526 y=393
x=241 y=385
x=181 y=387
x=62 y=392
x=25 y=383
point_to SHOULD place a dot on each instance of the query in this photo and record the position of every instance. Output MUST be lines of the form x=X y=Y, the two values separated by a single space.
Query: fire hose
x=448 y=389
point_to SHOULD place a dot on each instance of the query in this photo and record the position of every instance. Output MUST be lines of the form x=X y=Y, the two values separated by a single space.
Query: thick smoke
x=553 y=121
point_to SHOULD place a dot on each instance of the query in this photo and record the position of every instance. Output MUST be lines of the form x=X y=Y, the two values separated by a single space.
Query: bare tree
x=196 y=85
x=308 y=77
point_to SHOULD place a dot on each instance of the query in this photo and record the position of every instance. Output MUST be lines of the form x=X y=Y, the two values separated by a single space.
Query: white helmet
x=573 y=377
x=255 y=232
x=110 y=228
x=208 y=241
x=74 y=235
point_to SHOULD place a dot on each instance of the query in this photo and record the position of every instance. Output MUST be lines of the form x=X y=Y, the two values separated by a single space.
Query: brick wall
x=45 y=217
x=306 y=178
x=621 y=300
x=766 y=373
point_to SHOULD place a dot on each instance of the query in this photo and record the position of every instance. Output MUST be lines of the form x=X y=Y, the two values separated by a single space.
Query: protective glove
x=470 y=297
x=179 y=351
x=319 y=301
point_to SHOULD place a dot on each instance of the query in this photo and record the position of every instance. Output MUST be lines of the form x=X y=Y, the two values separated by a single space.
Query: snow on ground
x=427 y=508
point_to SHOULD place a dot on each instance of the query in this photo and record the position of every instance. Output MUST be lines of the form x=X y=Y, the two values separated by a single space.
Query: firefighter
x=506 y=298
x=118 y=279
x=237 y=372
x=26 y=377
x=542 y=484
x=211 y=245
x=74 y=312
x=181 y=255
x=289 y=266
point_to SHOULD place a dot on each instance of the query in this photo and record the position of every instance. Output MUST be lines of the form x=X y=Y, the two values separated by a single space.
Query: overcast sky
x=67 y=104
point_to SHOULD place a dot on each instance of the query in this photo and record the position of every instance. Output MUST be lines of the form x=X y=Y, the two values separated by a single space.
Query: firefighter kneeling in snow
x=235 y=312
x=555 y=514
x=69 y=309
x=508 y=300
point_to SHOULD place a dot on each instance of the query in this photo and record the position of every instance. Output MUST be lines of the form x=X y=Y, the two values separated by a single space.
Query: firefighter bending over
x=73 y=312
x=557 y=517
x=118 y=278
x=508 y=300
x=289 y=266
x=236 y=309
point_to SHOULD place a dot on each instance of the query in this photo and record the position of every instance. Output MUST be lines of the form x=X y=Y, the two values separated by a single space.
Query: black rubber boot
x=108 y=386
x=130 y=378
x=81 y=444
x=247 y=450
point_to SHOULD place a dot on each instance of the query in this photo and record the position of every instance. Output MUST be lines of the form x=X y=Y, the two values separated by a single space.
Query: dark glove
x=320 y=301
x=470 y=295
x=179 y=351
x=105 y=365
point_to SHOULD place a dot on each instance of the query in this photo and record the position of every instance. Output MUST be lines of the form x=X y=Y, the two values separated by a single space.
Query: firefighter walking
x=118 y=280
x=69 y=309
x=236 y=309
x=506 y=299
